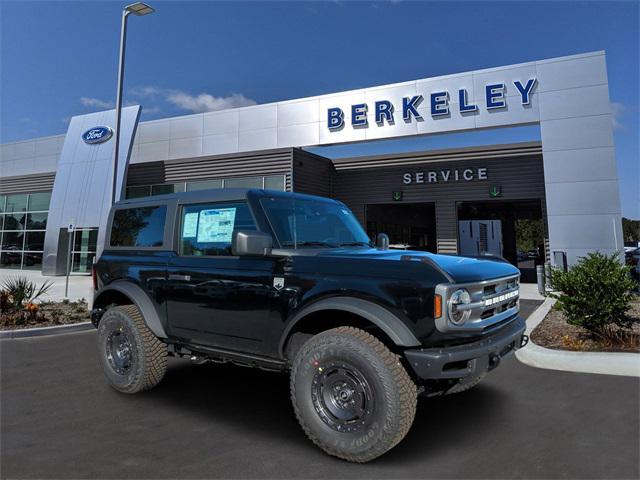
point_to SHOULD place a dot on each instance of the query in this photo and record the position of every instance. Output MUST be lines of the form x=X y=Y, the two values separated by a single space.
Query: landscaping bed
x=554 y=332
x=22 y=306
x=46 y=314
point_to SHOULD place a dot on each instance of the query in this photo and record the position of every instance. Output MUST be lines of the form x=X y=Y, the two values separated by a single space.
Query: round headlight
x=458 y=298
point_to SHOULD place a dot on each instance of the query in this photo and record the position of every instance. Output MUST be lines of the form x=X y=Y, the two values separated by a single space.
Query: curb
x=608 y=363
x=43 y=331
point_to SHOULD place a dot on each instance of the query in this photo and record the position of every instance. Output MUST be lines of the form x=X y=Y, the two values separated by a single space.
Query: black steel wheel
x=352 y=396
x=342 y=397
x=118 y=351
x=132 y=358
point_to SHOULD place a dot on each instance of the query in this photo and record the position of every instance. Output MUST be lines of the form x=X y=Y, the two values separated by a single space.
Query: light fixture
x=139 y=8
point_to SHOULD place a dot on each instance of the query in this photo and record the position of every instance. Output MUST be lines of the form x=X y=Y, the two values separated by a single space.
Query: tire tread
x=155 y=352
x=405 y=391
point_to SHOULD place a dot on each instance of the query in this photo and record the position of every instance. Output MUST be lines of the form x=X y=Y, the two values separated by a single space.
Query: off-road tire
x=148 y=354
x=466 y=384
x=394 y=395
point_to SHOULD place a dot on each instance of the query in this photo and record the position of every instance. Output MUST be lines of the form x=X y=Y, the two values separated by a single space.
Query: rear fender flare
x=141 y=300
x=390 y=324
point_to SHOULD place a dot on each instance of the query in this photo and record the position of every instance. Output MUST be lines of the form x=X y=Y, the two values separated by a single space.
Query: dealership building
x=550 y=200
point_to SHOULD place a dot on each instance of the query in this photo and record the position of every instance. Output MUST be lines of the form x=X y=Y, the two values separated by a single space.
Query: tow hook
x=524 y=339
x=494 y=361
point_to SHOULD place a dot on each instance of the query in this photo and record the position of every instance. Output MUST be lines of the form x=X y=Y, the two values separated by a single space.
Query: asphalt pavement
x=60 y=419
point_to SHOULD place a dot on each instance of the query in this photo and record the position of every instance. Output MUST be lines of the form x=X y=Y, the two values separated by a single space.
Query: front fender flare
x=141 y=300
x=391 y=325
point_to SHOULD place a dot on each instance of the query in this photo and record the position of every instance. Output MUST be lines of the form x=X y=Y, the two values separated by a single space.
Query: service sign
x=97 y=135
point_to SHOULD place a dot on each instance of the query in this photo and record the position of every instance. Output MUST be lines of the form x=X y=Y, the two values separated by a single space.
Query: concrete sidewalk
x=80 y=286
x=529 y=291
x=609 y=363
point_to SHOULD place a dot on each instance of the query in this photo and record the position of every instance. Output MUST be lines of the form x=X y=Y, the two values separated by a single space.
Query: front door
x=213 y=297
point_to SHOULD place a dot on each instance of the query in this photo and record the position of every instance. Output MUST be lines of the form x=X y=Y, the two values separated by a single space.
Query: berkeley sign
x=384 y=110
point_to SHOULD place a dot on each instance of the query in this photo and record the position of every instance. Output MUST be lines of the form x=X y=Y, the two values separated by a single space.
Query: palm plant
x=22 y=291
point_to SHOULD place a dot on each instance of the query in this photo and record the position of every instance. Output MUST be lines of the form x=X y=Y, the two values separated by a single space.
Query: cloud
x=147 y=91
x=95 y=103
x=617 y=111
x=205 y=102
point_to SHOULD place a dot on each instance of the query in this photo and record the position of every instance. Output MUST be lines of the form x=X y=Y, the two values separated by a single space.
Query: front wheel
x=132 y=358
x=351 y=395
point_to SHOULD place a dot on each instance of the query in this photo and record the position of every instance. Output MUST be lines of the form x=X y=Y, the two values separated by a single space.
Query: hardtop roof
x=219 y=195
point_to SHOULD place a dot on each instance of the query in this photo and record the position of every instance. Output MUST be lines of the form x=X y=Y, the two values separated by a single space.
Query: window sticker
x=190 y=225
x=216 y=225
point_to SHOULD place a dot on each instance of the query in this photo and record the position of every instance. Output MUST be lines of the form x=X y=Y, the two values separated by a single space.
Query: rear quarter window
x=138 y=227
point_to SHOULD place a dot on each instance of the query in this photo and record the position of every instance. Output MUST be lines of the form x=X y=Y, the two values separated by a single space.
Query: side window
x=138 y=227
x=207 y=229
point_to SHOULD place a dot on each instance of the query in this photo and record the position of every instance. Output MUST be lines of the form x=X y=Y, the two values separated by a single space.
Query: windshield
x=300 y=223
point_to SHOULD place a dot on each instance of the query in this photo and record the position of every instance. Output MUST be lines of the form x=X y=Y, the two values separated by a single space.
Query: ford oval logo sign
x=97 y=135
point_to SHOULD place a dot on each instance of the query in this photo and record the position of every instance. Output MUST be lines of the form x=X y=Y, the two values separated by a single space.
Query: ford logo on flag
x=97 y=135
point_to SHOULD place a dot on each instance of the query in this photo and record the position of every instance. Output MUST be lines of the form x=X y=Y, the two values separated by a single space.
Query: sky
x=59 y=59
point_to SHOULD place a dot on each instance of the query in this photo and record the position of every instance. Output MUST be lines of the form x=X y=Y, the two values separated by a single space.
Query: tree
x=630 y=230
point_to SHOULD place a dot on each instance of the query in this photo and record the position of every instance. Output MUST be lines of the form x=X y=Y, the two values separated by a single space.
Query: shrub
x=20 y=291
x=595 y=292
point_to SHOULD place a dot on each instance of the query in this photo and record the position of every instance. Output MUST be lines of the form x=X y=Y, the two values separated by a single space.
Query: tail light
x=437 y=306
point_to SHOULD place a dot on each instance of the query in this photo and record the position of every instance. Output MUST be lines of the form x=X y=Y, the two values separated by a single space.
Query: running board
x=221 y=355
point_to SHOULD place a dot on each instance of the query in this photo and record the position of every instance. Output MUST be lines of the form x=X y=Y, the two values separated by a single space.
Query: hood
x=460 y=269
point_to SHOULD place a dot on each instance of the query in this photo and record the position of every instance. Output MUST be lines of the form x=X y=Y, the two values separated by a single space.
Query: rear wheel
x=351 y=395
x=132 y=358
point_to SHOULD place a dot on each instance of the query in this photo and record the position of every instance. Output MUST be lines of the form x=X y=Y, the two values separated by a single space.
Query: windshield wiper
x=309 y=243
x=354 y=244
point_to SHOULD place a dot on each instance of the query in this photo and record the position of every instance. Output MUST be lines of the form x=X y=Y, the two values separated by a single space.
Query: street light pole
x=139 y=9
x=123 y=41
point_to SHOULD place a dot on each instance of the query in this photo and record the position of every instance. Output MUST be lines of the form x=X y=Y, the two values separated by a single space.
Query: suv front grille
x=493 y=303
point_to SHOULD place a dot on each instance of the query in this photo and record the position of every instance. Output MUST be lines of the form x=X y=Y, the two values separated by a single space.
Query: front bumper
x=468 y=359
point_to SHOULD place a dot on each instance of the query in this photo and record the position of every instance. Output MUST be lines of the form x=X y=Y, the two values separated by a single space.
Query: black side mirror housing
x=251 y=242
x=382 y=241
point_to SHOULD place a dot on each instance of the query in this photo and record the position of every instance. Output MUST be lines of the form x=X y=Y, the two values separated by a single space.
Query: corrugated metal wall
x=268 y=162
x=360 y=181
x=42 y=182
x=312 y=173
x=372 y=180
x=149 y=173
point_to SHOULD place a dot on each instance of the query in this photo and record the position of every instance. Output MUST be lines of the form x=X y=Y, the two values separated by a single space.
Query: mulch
x=49 y=314
x=554 y=332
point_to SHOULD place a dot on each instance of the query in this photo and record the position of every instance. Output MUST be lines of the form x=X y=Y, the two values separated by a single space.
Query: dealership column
x=583 y=203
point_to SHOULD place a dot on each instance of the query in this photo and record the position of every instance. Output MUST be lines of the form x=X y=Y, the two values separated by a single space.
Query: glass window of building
x=138 y=191
x=243 y=182
x=23 y=221
x=274 y=182
x=85 y=243
x=167 y=188
x=270 y=182
x=204 y=185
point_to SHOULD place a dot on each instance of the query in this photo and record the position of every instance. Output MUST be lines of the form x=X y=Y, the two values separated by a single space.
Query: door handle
x=175 y=276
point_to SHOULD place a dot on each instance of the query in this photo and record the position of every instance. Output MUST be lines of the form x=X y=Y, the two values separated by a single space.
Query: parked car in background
x=632 y=258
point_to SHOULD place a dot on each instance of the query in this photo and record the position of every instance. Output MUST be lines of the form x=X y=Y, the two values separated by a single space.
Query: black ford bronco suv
x=291 y=282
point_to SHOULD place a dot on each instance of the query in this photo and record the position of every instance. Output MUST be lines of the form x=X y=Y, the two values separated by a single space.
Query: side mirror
x=251 y=242
x=382 y=241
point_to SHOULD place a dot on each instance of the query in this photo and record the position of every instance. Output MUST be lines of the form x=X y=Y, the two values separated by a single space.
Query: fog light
x=457 y=299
